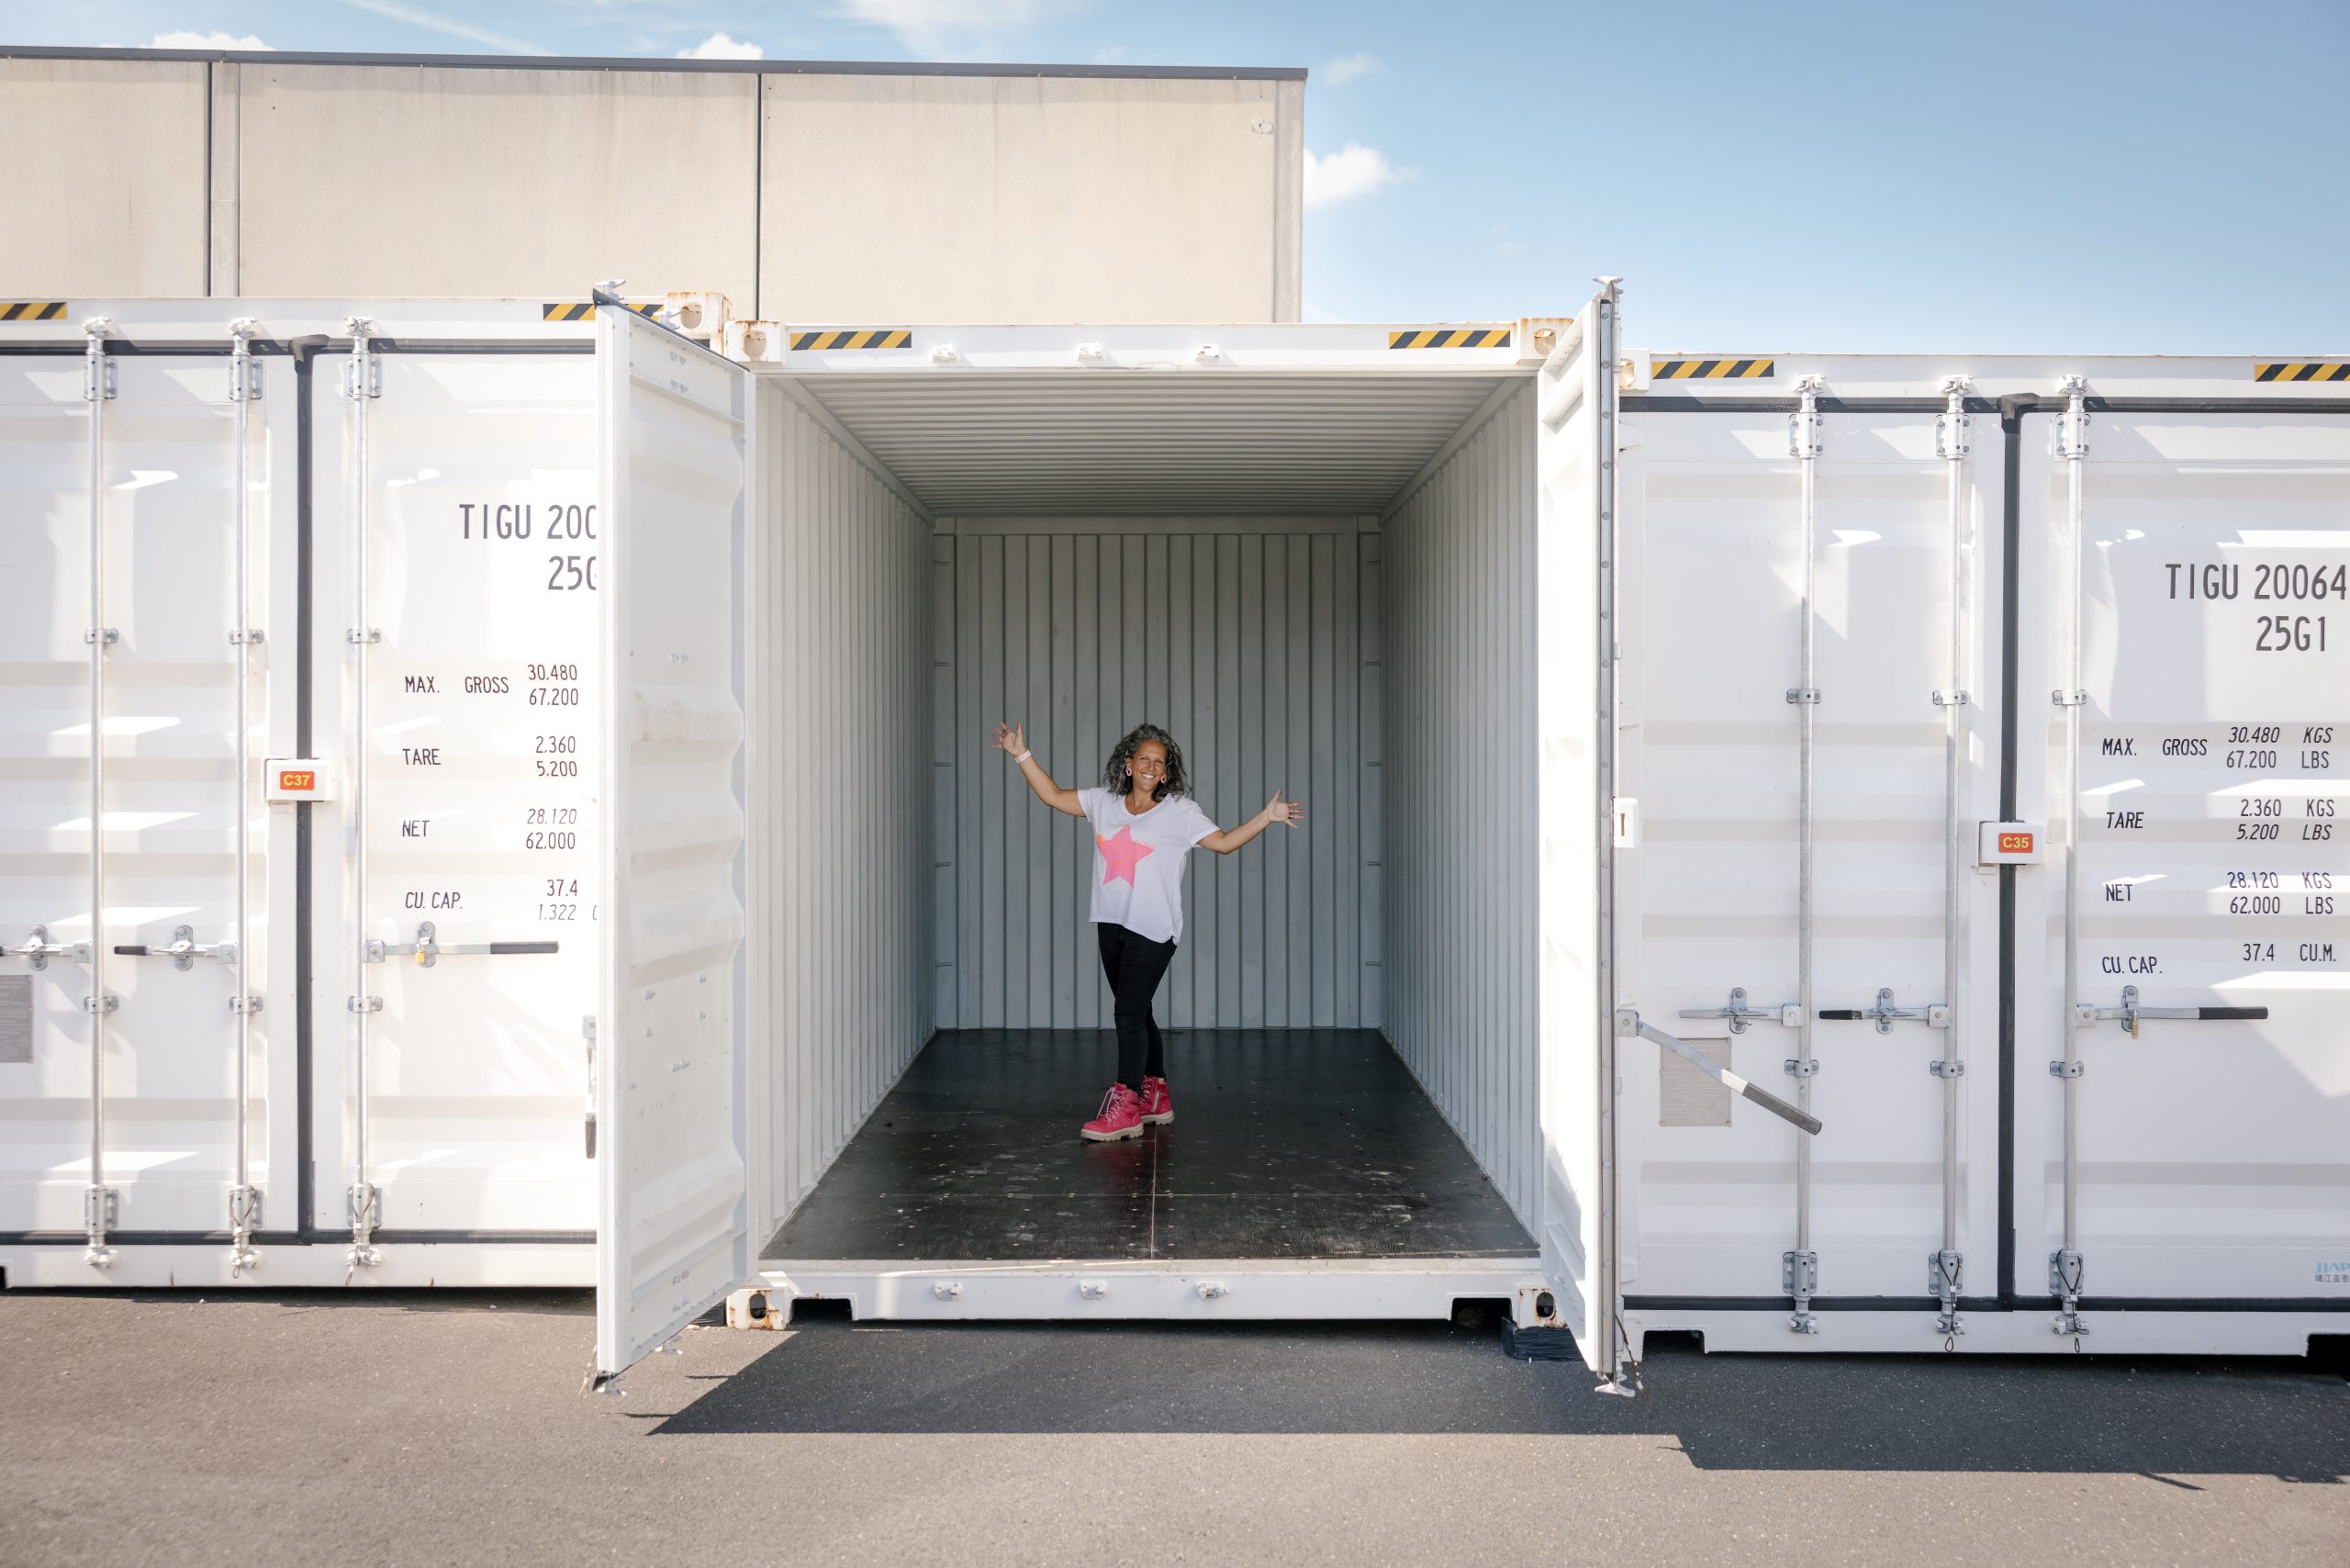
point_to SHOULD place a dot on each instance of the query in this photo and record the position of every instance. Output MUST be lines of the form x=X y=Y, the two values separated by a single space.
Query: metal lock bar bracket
x=37 y=949
x=1741 y=1012
x=182 y=950
x=428 y=948
x=2131 y=1013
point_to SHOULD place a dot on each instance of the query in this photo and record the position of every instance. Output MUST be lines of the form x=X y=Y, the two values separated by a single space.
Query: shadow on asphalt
x=2285 y=1418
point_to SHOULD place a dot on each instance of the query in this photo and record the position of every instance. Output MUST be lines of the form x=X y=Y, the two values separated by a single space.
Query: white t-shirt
x=1139 y=861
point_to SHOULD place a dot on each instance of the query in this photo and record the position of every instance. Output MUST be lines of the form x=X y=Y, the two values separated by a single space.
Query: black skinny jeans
x=1135 y=966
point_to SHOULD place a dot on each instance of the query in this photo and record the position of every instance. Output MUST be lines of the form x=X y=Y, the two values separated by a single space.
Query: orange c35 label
x=297 y=779
x=2015 y=844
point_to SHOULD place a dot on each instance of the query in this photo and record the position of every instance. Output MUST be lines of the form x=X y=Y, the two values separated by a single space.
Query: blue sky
x=2081 y=176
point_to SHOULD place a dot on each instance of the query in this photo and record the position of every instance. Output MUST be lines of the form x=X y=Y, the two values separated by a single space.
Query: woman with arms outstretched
x=1144 y=824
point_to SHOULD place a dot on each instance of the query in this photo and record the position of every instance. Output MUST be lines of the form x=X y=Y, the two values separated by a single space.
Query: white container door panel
x=2213 y=835
x=169 y=753
x=1711 y=597
x=673 y=1231
x=482 y=796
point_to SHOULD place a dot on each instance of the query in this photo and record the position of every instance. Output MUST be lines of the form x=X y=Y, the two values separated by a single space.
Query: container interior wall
x=1455 y=663
x=840 y=998
x=1254 y=641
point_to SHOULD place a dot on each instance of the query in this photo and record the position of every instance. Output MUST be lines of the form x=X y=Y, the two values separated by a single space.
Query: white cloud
x=940 y=26
x=718 y=45
x=1352 y=171
x=186 y=39
x=432 y=22
x=1347 y=67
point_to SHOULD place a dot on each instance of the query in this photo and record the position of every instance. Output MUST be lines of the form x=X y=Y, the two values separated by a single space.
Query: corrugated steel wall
x=1245 y=638
x=845 y=652
x=1457 y=862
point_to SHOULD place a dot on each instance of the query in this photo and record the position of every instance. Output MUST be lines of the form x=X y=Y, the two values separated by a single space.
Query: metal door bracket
x=107 y=1002
x=1945 y=1273
x=2129 y=1013
x=101 y=1211
x=244 y=1219
x=1935 y=1014
x=366 y=1004
x=1947 y=1069
x=251 y=637
x=245 y=1006
x=1092 y=1290
x=428 y=948
x=182 y=950
x=37 y=949
x=97 y=367
x=1802 y=694
x=946 y=1290
x=1209 y=1290
x=1794 y=1066
x=2065 y=1069
x=1803 y=427
x=95 y=636
x=1951 y=699
x=1740 y=1013
x=588 y=1028
x=1799 y=1278
x=2065 y=1276
x=363 y=634
x=366 y=1206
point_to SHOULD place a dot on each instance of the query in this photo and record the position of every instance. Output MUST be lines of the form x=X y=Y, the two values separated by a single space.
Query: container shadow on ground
x=2290 y=1419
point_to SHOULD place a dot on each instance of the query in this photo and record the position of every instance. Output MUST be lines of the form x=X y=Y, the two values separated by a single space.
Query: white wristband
x=1023 y=756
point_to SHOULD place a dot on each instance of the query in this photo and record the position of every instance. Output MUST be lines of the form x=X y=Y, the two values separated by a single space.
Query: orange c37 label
x=297 y=779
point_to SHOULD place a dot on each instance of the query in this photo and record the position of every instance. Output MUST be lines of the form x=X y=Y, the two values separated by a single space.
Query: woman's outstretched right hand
x=1010 y=739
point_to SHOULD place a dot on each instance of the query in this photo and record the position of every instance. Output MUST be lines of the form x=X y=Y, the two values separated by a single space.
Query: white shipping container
x=1646 y=723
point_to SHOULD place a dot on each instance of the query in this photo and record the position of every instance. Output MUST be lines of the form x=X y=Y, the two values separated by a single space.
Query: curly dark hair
x=1113 y=774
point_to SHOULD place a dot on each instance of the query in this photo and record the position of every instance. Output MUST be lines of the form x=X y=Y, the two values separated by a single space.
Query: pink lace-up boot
x=1157 y=1104
x=1121 y=1117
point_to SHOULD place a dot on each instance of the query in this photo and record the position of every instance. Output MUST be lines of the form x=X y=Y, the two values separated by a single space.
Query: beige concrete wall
x=812 y=197
x=405 y=181
x=1017 y=199
x=104 y=176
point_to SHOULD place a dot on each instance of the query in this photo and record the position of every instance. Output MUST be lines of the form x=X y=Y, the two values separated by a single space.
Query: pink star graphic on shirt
x=1121 y=855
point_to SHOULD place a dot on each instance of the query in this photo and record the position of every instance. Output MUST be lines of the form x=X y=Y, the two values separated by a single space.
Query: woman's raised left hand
x=1288 y=813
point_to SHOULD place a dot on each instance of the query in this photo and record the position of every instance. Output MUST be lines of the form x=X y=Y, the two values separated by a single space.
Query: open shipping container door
x=673 y=1222
x=1575 y=718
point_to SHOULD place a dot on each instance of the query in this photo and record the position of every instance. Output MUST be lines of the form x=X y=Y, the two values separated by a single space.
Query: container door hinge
x=2068 y=438
x=1799 y=1278
x=1947 y=1069
x=2065 y=1275
x=1741 y=1012
x=101 y=1211
x=2067 y=1068
x=588 y=1029
x=244 y=1219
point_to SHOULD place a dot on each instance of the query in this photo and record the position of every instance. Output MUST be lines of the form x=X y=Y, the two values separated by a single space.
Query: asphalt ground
x=449 y=1427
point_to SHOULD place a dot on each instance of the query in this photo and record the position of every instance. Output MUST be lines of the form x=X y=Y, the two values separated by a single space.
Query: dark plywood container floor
x=1287 y=1143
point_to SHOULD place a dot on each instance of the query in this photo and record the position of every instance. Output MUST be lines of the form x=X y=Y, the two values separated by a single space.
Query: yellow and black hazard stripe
x=856 y=337
x=32 y=310
x=2303 y=370
x=1448 y=338
x=580 y=310
x=1709 y=369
